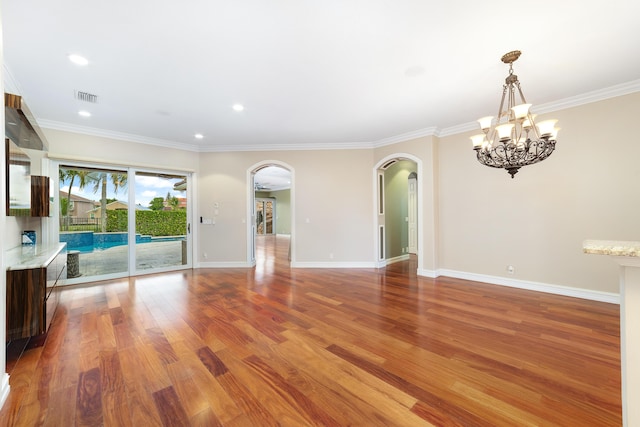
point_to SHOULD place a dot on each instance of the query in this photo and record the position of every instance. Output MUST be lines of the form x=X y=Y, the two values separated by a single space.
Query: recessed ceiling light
x=198 y=136
x=238 y=107
x=84 y=113
x=78 y=60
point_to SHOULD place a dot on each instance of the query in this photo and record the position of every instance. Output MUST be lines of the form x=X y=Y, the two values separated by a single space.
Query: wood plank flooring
x=301 y=347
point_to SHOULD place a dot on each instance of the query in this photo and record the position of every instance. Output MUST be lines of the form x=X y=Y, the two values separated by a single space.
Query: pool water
x=97 y=247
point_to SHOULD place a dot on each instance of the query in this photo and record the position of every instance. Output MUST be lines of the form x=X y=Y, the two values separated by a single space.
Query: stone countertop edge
x=611 y=247
x=32 y=256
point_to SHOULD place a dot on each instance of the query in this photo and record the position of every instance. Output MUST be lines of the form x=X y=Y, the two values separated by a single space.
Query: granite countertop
x=611 y=247
x=25 y=257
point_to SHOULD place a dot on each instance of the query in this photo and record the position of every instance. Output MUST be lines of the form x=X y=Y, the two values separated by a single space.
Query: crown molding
x=574 y=101
x=589 y=97
x=288 y=147
x=430 y=131
x=121 y=136
x=85 y=130
x=454 y=130
x=562 y=104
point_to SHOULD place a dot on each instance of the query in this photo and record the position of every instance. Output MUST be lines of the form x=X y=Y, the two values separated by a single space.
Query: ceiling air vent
x=86 y=97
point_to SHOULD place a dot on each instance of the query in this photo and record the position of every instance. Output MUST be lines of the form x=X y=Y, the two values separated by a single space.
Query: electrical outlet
x=510 y=269
x=204 y=255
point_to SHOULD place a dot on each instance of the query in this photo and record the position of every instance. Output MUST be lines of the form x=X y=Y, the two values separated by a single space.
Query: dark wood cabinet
x=39 y=195
x=27 y=195
x=32 y=291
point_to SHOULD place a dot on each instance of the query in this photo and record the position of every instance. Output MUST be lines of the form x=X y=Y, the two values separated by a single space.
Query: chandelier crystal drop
x=515 y=139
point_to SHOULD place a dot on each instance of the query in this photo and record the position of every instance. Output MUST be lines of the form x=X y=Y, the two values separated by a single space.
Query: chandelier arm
x=504 y=93
x=524 y=101
x=512 y=102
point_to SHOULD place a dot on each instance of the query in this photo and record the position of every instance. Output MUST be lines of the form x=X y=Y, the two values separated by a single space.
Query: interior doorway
x=265 y=216
x=397 y=209
x=271 y=215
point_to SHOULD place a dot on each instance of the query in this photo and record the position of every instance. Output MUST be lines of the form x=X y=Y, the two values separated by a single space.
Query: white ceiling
x=272 y=178
x=310 y=74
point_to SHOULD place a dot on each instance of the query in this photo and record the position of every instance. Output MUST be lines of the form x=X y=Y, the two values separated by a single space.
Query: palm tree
x=99 y=179
x=172 y=201
x=71 y=175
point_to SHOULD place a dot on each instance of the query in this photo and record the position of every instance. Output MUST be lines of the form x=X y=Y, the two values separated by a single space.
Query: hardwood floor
x=295 y=347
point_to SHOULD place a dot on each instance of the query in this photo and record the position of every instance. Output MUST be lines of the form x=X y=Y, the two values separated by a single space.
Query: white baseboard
x=4 y=389
x=607 y=297
x=532 y=286
x=228 y=264
x=398 y=259
x=333 y=265
x=428 y=273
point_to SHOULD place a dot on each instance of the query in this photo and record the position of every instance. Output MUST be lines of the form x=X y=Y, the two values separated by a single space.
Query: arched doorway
x=398 y=209
x=270 y=203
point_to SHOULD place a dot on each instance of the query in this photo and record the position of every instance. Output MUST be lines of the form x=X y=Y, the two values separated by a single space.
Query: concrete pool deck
x=115 y=259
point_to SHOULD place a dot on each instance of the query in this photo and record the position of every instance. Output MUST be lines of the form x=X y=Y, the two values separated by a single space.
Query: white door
x=412 y=213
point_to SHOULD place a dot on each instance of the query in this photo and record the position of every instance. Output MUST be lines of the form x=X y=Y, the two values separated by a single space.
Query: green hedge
x=153 y=223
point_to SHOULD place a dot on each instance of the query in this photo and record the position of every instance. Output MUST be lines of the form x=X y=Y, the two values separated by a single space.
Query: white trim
x=289 y=147
x=562 y=104
x=420 y=203
x=398 y=259
x=345 y=264
x=427 y=273
x=4 y=389
x=533 y=286
x=93 y=162
x=225 y=264
x=250 y=219
x=381 y=263
x=574 y=101
x=430 y=131
x=121 y=136
x=589 y=97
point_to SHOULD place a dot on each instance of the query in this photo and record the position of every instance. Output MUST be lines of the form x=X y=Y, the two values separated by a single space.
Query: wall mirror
x=18 y=180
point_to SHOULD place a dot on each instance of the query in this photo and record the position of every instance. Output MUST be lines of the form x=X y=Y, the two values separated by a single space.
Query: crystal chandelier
x=515 y=140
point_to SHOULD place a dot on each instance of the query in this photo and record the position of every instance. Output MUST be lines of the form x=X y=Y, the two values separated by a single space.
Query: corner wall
x=536 y=222
x=4 y=245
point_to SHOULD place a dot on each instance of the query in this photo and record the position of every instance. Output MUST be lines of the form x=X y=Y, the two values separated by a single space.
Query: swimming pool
x=89 y=241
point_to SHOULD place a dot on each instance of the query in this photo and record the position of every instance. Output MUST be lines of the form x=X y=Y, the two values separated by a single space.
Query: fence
x=79 y=224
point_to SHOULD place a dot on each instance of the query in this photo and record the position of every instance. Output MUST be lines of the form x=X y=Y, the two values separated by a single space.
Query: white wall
x=96 y=149
x=331 y=203
x=587 y=189
x=474 y=219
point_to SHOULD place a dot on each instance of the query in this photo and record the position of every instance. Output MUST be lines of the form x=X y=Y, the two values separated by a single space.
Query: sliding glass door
x=123 y=221
x=161 y=224
x=93 y=206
